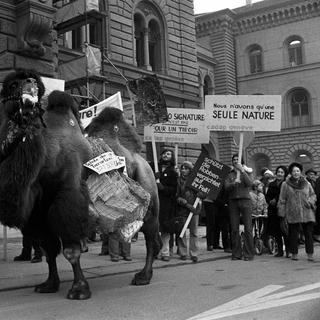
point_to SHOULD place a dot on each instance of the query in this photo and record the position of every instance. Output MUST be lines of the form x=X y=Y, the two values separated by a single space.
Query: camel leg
x=53 y=282
x=80 y=287
x=153 y=244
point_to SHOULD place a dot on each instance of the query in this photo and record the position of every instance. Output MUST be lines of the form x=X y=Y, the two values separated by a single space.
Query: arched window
x=303 y=157
x=299 y=107
x=139 y=39
x=294 y=51
x=207 y=86
x=154 y=46
x=150 y=37
x=255 y=59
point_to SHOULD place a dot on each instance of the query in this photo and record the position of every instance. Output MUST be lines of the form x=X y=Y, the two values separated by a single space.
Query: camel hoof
x=79 y=291
x=47 y=287
x=141 y=279
x=79 y=295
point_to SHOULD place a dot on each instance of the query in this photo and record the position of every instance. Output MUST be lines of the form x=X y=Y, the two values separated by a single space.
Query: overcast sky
x=201 y=6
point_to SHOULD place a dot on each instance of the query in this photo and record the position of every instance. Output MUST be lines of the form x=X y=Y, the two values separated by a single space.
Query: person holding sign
x=240 y=205
x=167 y=179
x=185 y=200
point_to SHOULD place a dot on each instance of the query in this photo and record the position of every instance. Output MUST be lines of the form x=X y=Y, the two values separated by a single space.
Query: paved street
x=215 y=288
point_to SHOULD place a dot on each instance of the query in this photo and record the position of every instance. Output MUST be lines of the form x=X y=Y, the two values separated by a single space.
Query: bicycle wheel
x=272 y=245
x=258 y=245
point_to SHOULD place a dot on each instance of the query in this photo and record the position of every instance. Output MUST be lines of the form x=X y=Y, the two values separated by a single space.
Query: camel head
x=21 y=94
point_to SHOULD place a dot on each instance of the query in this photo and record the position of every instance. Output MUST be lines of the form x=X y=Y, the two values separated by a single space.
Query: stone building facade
x=128 y=38
x=270 y=47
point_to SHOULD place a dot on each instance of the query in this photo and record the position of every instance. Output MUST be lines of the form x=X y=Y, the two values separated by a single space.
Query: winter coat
x=259 y=204
x=238 y=190
x=297 y=201
x=185 y=199
x=167 y=189
x=273 y=194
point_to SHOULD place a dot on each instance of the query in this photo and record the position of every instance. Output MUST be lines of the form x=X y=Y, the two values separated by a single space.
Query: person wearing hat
x=167 y=179
x=185 y=200
x=267 y=177
x=296 y=206
x=311 y=176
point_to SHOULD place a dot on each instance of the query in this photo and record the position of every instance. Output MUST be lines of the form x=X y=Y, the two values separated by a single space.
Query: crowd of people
x=287 y=199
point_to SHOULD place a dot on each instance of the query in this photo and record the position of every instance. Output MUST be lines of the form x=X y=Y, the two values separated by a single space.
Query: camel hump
x=60 y=101
x=104 y=125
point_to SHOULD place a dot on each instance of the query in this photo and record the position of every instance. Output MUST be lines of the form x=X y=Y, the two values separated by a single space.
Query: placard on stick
x=208 y=176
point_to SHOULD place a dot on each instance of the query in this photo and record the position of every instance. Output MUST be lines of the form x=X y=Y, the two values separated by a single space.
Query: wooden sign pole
x=239 y=155
x=189 y=218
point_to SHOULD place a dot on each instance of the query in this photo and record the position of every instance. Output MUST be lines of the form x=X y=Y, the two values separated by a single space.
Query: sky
x=201 y=6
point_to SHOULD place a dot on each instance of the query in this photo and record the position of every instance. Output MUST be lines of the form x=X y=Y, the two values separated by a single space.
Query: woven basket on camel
x=119 y=203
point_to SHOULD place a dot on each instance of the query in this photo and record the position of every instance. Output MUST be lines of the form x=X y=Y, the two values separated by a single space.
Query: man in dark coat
x=167 y=178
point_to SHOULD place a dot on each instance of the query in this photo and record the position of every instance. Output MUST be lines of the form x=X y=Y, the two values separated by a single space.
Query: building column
x=146 y=49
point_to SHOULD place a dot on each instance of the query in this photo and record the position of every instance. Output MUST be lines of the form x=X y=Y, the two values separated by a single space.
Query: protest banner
x=105 y=162
x=86 y=115
x=183 y=126
x=243 y=112
x=208 y=177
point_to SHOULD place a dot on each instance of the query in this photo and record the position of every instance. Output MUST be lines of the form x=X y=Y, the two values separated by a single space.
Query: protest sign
x=86 y=115
x=105 y=162
x=184 y=126
x=243 y=112
x=50 y=85
x=208 y=176
x=150 y=104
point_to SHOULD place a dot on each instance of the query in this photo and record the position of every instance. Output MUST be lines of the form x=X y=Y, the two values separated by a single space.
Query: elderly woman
x=297 y=206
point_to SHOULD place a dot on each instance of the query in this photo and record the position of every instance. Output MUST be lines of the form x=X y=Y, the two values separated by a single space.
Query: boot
x=24 y=256
x=36 y=259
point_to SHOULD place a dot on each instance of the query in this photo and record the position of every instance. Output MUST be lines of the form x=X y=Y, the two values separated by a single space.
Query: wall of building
x=26 y=40
x=269 y=24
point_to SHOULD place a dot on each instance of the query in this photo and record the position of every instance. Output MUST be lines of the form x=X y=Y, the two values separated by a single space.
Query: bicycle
x=258 y=225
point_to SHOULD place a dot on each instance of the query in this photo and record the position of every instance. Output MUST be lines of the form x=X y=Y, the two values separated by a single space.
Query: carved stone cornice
x=252 y=20
x=34 y=24
x=273 y=17
x=222 y=22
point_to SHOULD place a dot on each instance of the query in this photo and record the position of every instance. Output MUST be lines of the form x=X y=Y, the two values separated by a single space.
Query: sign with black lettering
x=184 y=126
x=208 y=176
x=243 y=112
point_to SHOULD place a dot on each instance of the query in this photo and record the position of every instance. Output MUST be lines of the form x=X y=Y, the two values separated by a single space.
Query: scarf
x=299 y=184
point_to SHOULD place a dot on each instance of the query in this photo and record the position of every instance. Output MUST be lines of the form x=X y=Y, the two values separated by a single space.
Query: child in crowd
x=259 y=204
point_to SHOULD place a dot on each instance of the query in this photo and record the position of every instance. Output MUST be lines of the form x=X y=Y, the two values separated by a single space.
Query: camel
x=42 y=178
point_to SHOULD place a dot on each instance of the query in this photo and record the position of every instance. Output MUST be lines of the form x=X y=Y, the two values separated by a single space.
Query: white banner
x=106 y=162
x=243 y=113
x=86 y=115
x=184 y=126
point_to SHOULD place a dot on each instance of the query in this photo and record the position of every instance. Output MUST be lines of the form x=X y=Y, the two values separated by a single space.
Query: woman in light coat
x=297 y=207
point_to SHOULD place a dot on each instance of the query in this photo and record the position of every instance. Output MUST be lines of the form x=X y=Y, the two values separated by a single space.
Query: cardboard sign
x=243 y=113
x=51 y=84
x=105 y=162
x=208 y=176
x=86 y=115
x=184 y=126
